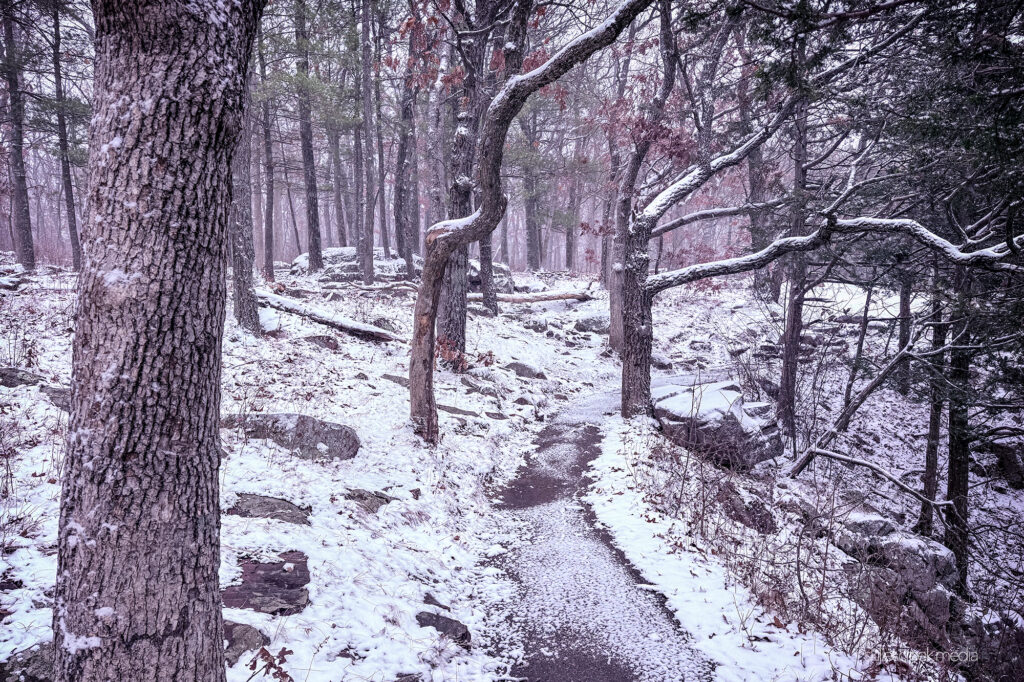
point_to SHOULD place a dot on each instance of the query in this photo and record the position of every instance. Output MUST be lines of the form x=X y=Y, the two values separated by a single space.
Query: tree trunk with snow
x=243 y=251
x=365 y=131
x=268 y=171
x=937 y=395
x=137 y=594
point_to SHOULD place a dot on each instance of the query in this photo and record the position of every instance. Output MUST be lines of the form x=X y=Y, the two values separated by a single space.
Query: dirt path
x=583 y=612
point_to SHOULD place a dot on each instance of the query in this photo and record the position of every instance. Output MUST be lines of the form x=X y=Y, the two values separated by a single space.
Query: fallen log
x=339 y=322
x=537 y=298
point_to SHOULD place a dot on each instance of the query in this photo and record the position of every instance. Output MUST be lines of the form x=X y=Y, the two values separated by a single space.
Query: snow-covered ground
x=372 y=572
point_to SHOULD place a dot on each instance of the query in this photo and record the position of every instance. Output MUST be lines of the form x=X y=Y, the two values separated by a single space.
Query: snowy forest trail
x=584 y=613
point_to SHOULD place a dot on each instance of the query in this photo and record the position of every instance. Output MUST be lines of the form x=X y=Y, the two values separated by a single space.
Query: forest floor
x=526 y=534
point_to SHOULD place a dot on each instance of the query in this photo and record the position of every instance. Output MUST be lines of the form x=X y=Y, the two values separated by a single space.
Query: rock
x=410 y=677
x=261 y=507
x=385 y=323
x=60 y=396
x=868 y=524
x=370 y=501
x=901 y=569
x=710 y=419
x=31 y=665
x=277 y=588
x=529 y=283
x=449 y=627
x=659 y=361
x=12 y=377
x=241 y=638
x=401 y=381
x=496 y=415
x=597 y=323
x=536 y=324
x=751 y=513
x=503 y=282
x=700 y=345
x=477 y=386
x=526 y=371
x=323 y=340
x=456 y=410
x=307 y=437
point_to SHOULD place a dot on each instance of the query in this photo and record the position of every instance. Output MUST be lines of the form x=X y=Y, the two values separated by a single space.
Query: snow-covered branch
x=713 y=213
x=733 y=266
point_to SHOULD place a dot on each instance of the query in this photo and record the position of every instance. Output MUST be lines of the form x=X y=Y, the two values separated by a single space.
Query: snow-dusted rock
x=503 y=282
x=241 y=638
x=525 y=370
x=710 y=419
x=529 y=283
x=31 y=665
x=253 y=506
x=449 y=627
x=595 y=323
x=369 y=500
x=307 y=437
x=277 y=587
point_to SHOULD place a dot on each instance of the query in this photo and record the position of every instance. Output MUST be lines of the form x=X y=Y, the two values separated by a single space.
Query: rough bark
x=316 y=261
x=385 y=240
x=21 y=221
x=446 y=237
x=137 y=594
x=906 y=291
x=62 y=145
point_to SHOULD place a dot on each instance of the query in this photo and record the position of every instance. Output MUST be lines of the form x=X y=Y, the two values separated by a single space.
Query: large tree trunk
x=62 y=145
x=531 y=196
x=385 y=240
x=414 y=188
x=316 y=261
x=21 y=221
x=268 y=161
x=243 y=252
x=958 y=482
x=137 y=594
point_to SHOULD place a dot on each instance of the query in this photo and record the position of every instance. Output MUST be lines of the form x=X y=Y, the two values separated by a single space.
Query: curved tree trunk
x=446 y=237
x=62 y=145
x=137 y=594
x=20 y=217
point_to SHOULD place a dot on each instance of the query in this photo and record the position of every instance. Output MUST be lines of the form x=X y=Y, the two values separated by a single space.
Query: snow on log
x=538 y=297
x=342 y=324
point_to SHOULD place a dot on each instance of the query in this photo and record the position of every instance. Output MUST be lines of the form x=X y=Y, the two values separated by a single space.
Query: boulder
x=307 y=437
x=596 y=323
x=30 y=665
x=277 y=587
x=263 y=507
x=660 y=361
x=241 y=638
x=503 y=282
x=1009 y=463
x=710 y=419
x=12 y=377
x=449 y=627
x=525 y=370
x=326 y=341
x=901 y=569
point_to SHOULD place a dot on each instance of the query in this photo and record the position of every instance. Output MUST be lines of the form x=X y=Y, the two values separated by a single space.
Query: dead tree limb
x=539 y=297
x=342 y=324
x=883 y=473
